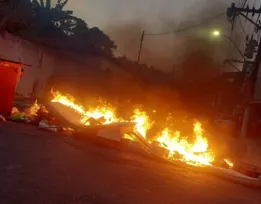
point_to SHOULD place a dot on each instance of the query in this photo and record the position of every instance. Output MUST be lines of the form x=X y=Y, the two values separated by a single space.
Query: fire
x=142 y=120
x=104 y=112
x=68 y=101
x=34 y=109
x=195 y=154
x=230 y=163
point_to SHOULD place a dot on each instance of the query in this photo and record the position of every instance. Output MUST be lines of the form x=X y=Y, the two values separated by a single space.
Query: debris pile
x=37 y=114
x=175 y=146
x=168 y=144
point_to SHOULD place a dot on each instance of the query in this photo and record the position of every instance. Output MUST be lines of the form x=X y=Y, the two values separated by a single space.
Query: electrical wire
x=233 y=20
x=187 y=28
x=244 y=3
x=242 y=27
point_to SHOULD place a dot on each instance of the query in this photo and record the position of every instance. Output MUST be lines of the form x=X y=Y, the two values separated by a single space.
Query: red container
x=9 y=76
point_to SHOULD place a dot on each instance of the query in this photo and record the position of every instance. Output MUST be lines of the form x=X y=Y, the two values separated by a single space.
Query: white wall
x=16 y=49
x=46 y=62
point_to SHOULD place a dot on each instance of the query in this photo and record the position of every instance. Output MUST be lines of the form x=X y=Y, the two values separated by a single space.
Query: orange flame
x=34 y=109
x=229 y=163
x=67 y=100
x=142 y=120
x=104 y=112
x=195 y=154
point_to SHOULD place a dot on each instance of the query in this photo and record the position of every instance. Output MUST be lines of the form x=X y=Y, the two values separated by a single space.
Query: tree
x=48 y=20
x=101 y=41
x=91 y=38
x=37 y=20
x=57 y=21
x=15 y=15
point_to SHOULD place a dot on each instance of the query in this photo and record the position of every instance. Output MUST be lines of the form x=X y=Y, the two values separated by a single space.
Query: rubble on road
x=37 y=114
x=45 y=125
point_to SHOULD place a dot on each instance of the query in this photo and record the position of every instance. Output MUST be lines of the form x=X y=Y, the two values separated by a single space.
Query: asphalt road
x=38 y=167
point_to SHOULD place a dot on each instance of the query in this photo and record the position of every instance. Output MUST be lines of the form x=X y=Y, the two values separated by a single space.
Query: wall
x=78 y=73
x=89 y=75
x=16 y=49
x=120 y=83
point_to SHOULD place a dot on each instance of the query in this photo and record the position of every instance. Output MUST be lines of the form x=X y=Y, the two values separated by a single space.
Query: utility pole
x=231 y=13
x=251 y=45
x=256 y=68
x=253 y=80
x=141 y=43
x=234 y=11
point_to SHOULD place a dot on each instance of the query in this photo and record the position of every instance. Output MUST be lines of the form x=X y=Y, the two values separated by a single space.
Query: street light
x=217 y=33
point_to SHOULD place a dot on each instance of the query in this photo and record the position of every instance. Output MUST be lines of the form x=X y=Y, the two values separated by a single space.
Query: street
x=38 y=167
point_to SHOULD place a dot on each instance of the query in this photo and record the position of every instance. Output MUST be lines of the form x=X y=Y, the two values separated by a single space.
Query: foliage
x=15 y=15
x=47 y=19
x=37 y=19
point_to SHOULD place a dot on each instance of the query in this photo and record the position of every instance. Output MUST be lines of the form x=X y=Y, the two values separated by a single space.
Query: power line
x=187 y=28
x=242 y=27
x=244 y=3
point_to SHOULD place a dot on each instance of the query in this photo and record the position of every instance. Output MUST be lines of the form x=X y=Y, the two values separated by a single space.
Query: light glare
x=216 y=33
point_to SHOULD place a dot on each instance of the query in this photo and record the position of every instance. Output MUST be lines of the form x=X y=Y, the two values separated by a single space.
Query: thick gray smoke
x=165 y=51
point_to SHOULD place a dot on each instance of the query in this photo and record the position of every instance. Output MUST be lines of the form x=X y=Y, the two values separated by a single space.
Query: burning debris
x=142 y=120
x=103 y=114
x=177 y=147
x=229 y=163
x=167 y=143
x=196 y=153
x=98 y=113
x=33 y=110
x=32 y=115
x=37 y=114
x=103 y=123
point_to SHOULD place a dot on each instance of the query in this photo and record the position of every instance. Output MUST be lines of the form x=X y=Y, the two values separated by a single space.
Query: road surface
x=40 y=168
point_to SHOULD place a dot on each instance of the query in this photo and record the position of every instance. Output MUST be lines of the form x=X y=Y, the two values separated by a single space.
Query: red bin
x=9 y=76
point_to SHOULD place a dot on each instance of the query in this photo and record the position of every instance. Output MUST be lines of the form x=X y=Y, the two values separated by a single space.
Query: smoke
x=165 y=51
